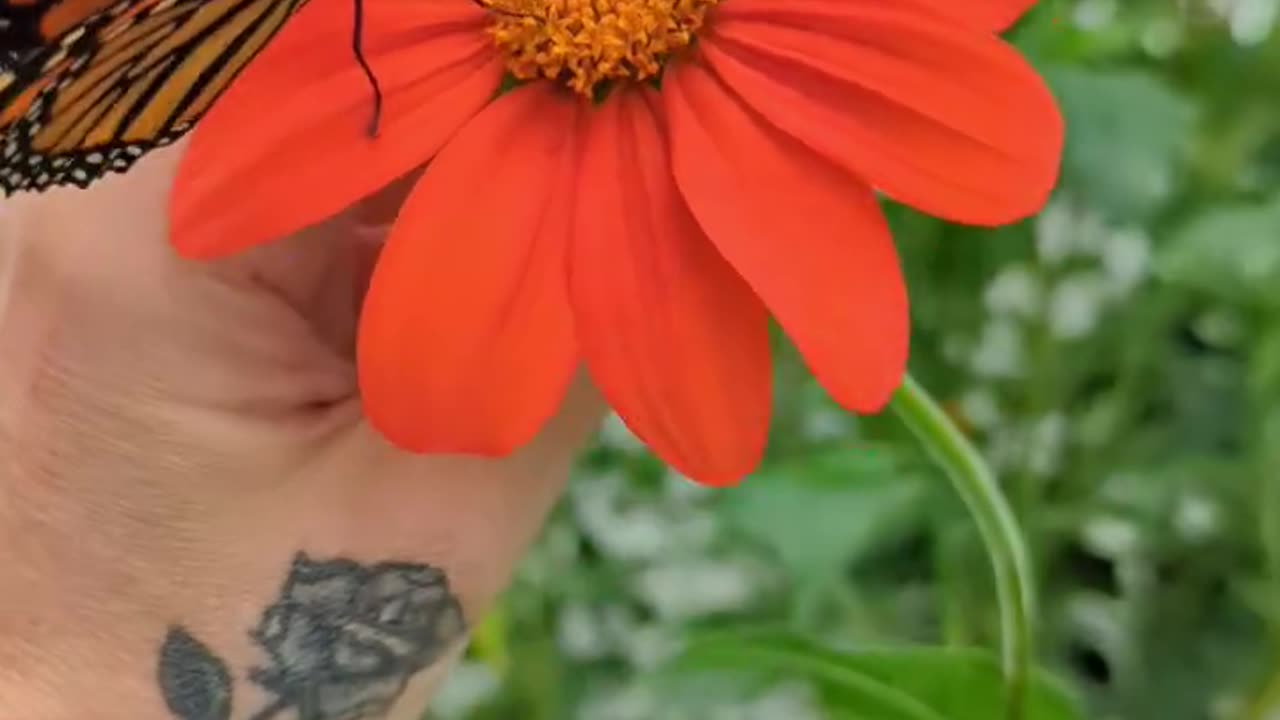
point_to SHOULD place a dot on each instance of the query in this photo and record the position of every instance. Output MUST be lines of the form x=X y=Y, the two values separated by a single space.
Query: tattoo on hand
x=342 y=641
x=195 y=683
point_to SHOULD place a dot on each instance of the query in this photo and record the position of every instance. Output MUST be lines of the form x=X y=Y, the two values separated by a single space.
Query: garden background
x=1117 y=360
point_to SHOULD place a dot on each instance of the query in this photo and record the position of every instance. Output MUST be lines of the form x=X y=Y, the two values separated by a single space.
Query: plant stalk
x=977 y=486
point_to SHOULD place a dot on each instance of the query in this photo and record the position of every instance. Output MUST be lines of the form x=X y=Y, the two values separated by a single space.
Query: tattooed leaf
x=195 y=683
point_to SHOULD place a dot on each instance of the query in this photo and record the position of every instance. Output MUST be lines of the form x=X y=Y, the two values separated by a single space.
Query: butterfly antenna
x=357 y=46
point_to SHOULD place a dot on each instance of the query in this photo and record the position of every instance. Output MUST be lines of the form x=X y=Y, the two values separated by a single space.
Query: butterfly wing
x=125 y=79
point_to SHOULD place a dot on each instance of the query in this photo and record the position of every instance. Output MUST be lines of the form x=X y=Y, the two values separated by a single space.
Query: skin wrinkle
x=64 y=379
x=324 y=289
x=19 y=325
x=288 y=377
x=69 y=435
x=76 y=465
x=73 y=463
x=8 y=257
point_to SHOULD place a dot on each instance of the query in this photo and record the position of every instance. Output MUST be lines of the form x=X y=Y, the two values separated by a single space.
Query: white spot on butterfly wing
x=72 y=36
x=55 y=59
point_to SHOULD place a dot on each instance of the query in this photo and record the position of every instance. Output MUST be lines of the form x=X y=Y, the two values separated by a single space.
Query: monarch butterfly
x=89 y=86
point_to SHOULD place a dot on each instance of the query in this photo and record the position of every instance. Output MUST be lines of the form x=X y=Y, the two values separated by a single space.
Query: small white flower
x=1161 y=37
x=695 y=588
x=1096 y=424
x=1110 y=536
x=1055 y=226
x=650 y=646
x=636 y=533
x=1197 y=518
x=554 y=555
x=793 y=701
x=826 y=424
x=1258 y=261
x=980 y=408
x=1126 y=258
x=1221 y=326
x=580 y=634
x=999 y=353
x=620 y=702
x=1075 y=306
x=1103 y=623
x=1046 y=443
x=619 y=622
x=1094 y=14
x=1231 y=705
x=468 y=685
x=1252 y=21
x=1005 y=448
x=1014 y=291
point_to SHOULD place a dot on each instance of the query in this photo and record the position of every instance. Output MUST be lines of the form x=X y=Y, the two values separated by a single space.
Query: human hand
x=195 y=521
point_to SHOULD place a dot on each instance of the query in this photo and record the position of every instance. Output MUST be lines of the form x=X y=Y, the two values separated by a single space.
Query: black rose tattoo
x=342 y=641
x=344 y=638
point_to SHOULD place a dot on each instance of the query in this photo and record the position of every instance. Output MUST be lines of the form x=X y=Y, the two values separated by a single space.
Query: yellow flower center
x=584 y=43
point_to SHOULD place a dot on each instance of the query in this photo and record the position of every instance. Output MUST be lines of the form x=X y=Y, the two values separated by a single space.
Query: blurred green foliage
x=1118 y=361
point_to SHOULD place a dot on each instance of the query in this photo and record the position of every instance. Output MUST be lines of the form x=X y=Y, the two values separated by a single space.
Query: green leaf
x=918 y=683
x=1127 y=135
x=829 y=511
x=1231 y=253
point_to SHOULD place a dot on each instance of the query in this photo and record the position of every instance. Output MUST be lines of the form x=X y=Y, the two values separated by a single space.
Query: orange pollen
x=584 y=43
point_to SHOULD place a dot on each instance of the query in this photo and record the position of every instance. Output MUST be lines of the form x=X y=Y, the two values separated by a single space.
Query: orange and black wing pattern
x=89 y=86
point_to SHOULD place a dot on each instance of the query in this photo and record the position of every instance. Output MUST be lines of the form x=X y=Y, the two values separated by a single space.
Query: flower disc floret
x=585 y=43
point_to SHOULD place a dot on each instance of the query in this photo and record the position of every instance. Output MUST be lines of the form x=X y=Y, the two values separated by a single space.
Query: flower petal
x=991 y=15
x=950 y=121
x=675 y=340
x=466 y=340
x=807 y=236
x=996 y=15
x=288 y=145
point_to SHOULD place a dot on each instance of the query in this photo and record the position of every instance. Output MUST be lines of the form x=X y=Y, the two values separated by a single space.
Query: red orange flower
x=648 y=235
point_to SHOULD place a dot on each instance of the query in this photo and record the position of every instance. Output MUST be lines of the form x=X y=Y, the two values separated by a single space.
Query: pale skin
x=173 y=435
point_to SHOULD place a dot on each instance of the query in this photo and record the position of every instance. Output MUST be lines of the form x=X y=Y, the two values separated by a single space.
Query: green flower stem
x=977 y=485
